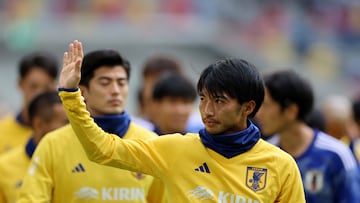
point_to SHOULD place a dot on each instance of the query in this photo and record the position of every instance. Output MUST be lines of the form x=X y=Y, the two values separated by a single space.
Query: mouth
x=115 y=102
x=210 y=122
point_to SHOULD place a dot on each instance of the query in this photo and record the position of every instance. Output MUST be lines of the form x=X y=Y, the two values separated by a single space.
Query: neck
x=164 y=131
x=24 y=115
x=296 y=138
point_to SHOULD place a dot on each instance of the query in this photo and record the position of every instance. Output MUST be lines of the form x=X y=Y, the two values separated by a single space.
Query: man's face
x=222 y=114
x=270 y=116
x=35 y=82
x=172 y=114
x=41 y=126
x=107 y=91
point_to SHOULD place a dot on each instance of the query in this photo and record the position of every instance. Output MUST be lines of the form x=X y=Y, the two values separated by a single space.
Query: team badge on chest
x=256 y=178
x=314 y=181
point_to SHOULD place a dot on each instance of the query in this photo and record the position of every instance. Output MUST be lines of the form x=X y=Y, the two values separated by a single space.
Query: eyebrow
x=109 y=78
x=223 y=96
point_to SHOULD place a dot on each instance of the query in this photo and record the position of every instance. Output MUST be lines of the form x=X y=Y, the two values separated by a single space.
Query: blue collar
x=21 y=120
x=231 y=145
x=115 y=124
x=30 y=147
x=157 y=130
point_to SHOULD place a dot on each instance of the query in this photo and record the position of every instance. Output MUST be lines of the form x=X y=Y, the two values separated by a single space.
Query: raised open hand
x=70 y=74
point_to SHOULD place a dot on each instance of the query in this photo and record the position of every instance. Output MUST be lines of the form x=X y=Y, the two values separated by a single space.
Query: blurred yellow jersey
x=13 y=167
x=190 y=171
x=61 y=172
x=12 y=133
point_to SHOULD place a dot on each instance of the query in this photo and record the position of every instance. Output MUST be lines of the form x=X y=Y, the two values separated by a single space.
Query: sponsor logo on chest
x=110 y=194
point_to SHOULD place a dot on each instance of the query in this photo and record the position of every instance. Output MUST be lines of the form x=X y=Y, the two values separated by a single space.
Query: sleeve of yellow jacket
x=105 y=148
x=37 y=184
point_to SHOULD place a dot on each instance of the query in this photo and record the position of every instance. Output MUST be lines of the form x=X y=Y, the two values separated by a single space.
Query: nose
x=208 y=109
x=115 y=89
x=183 y=108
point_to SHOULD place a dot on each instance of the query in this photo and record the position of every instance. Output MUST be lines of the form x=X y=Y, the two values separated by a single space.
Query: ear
x=249 y=107
x=84 y=91
x=292 y=111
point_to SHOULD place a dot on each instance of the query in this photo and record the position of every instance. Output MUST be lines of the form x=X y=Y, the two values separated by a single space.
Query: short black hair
x=39 y=60
x=287 y=87
x=172 y=85
x=316 y=119
x=42 y=105
x=235 y=77
x=96 y=59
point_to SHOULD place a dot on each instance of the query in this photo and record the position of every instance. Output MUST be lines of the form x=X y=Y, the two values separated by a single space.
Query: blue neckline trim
x=30 y=147
x=68 y=89
x=19 y=119
x=116 y=124
x=230 y=145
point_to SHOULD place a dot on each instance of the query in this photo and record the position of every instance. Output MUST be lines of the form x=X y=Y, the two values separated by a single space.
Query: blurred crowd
x=319 y=37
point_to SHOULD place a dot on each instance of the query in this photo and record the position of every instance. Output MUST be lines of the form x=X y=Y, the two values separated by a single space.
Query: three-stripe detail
x=78 y=168
x=203 y=168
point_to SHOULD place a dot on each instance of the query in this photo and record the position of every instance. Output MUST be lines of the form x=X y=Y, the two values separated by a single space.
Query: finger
x=71 y=52
x=80 y=49
x=66 y=58
x=76 y=50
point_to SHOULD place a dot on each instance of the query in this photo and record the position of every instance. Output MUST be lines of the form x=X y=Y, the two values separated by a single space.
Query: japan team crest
x=256 y=178
x=314 y=181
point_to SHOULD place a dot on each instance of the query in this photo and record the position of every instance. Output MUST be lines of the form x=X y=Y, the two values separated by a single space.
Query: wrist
x=68 y=89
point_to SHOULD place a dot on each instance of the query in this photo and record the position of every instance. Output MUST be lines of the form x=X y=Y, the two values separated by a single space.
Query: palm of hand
x=71 y=73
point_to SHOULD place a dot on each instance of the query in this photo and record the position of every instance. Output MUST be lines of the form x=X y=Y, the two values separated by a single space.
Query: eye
x=220 y=100
x=104 y=81
x=122 y=83
x=201 y=97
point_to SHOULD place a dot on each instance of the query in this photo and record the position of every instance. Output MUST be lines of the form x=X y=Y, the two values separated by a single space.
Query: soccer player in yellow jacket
x=60 y=170
x=46 y=113
x=226 y=162
x=37 y=73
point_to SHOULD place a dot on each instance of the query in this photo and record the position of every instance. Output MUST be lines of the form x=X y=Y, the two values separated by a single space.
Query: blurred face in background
x=41 y=126
x=172 y=114
x=35 y=82
x=270 y=116
x=107 y=91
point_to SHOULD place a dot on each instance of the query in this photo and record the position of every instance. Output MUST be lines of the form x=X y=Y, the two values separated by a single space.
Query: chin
x=213 y=131
x=115 y=111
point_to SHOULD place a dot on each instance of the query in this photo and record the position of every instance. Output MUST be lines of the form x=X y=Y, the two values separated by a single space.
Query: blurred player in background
x=46 y=113
x=37 y=73
x=328 y=168
x=154 y=68
x=173 y=98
